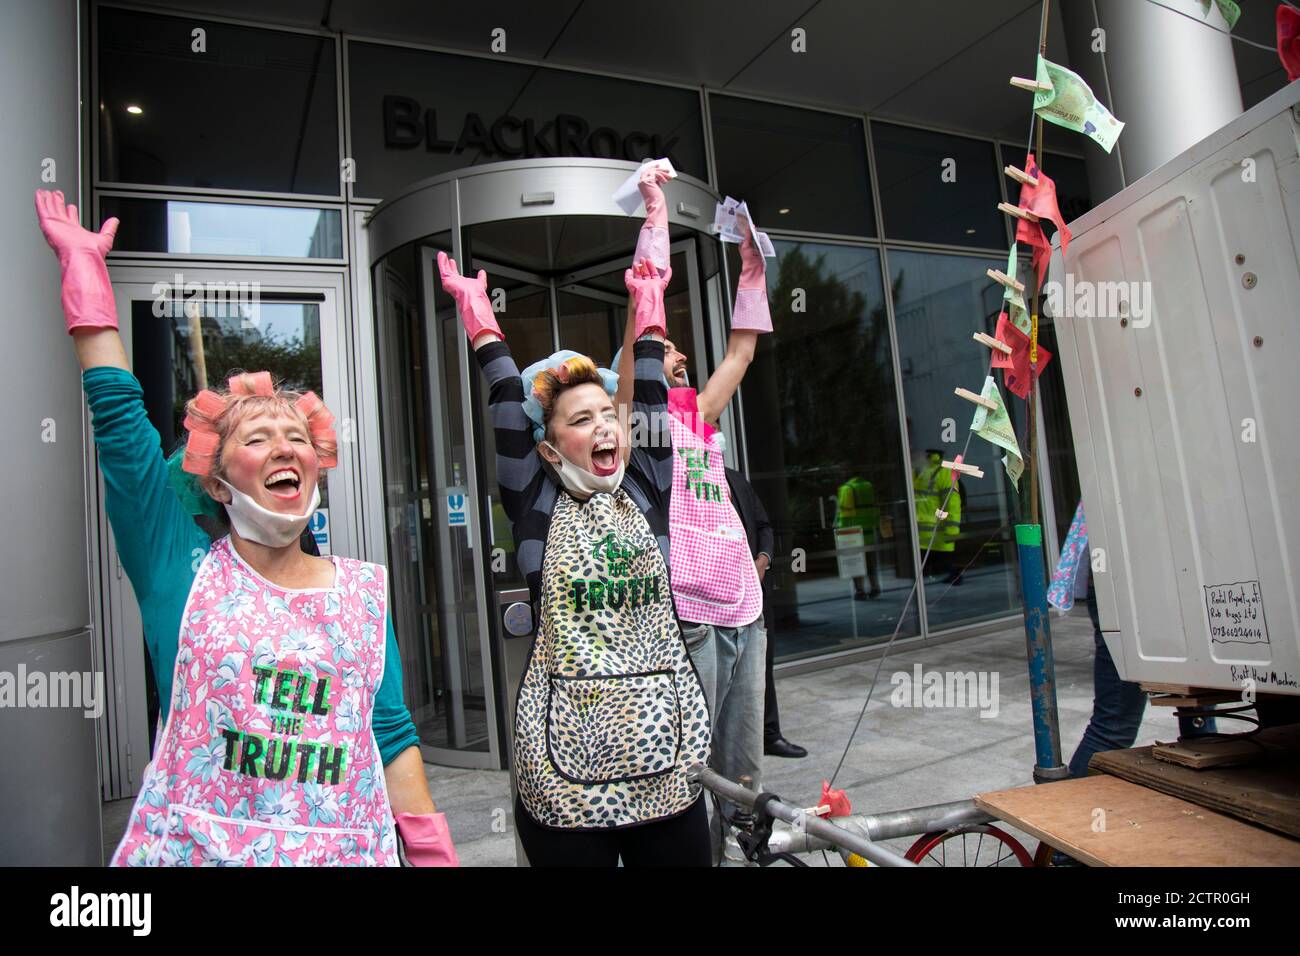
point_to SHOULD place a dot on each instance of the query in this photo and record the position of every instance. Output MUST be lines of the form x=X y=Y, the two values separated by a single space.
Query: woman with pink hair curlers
x=285 y=739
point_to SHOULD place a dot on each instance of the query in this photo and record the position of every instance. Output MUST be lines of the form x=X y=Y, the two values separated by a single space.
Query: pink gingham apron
x=713 y=575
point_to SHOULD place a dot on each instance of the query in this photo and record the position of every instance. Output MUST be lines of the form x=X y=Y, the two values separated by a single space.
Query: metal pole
x=1029 y=545
x=815 y=826
x=887 y=826
x=1033 y=313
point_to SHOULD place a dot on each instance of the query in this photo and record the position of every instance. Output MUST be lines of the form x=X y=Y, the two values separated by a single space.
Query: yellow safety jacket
x=931 y=485
x=856 y=506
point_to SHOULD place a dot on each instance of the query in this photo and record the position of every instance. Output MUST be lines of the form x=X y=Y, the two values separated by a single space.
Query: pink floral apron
x=713 y=575
x=268 y=757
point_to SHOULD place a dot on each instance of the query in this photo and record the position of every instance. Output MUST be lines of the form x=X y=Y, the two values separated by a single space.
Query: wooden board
x=1152 y=687
x=1200 y=699
x=1267 y=794
x=1275 y=743
x=1142 y=827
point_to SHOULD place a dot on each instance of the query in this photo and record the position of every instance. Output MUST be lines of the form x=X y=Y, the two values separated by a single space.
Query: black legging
x=682 y=840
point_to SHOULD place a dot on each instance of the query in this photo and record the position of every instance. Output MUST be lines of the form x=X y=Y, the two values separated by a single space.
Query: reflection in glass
x=796 y=168
x=257 y=110
x=939 y=302
x=936 y=187
x=825 y=455
x=224 y=229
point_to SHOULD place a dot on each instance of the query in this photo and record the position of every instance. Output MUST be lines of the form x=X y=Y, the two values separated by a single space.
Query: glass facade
x=224 y=229
x=840 y=415
x=940 y=301
x=418 y=113
x=191 y=103
x=938 y=188
x=797 y=169
x=821 y=422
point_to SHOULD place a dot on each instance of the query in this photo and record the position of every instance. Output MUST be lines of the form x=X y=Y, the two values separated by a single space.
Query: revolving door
x=555 y=247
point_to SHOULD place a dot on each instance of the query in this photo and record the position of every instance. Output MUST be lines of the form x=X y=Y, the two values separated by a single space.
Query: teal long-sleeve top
x=161 y=546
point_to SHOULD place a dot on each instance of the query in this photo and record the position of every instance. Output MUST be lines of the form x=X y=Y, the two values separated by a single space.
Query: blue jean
x=731 y=663
x=1117 y=705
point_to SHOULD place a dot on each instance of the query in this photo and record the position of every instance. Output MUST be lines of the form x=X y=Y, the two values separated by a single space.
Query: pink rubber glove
x=426 y=841
x=471 y=298
x=87 y=294
x=751 y=311
x=646 y=285
x=652 y=241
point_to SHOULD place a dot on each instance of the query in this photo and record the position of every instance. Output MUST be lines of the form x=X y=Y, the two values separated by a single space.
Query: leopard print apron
x=610 y=712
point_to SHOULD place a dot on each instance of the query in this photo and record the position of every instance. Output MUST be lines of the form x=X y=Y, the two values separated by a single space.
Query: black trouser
x=682 y=840
x=771 y=713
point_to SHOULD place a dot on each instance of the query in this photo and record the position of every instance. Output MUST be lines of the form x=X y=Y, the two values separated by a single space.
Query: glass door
x=184 y=331
x=432 y=523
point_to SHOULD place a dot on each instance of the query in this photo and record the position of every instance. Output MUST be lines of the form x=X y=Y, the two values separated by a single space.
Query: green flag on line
x=1016 y=309
x=994 y=425
x=1069 y=102
x=1231 y=12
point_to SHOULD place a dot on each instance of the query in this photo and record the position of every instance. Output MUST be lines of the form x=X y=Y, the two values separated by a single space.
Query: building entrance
x=555 y=247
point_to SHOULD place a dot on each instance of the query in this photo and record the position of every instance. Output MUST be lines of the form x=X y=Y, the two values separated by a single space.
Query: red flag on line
x=837 y=800
x=1015 y=367
x=1288 y=39
x=1041 y=201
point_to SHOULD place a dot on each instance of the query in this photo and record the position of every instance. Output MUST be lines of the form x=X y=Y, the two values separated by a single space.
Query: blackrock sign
x=407 y=125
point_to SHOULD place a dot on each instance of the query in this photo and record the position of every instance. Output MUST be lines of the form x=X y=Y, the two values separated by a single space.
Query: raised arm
x=750 y=316
x=519 y=470
x=650 y=442
x=152 y=530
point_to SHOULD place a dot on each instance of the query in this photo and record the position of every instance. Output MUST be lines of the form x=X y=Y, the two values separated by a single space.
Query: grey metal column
x=1165 y=72
x=49 y=792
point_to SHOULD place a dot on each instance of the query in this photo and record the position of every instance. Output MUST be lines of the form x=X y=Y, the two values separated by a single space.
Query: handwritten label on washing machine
x=1236 y=613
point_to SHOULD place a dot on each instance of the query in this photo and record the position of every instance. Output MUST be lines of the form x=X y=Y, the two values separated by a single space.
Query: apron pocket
x=706 y=566
x=609 y=729
x=198 y=838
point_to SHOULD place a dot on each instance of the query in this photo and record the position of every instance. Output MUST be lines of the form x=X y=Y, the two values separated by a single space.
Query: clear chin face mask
x=582 y=483
x=263 y=526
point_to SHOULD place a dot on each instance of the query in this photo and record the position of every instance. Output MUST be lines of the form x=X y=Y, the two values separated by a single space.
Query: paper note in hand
x=628 y=196
x=745 y=220
x=1069 y=102
x=724 y=220
x=731 y=220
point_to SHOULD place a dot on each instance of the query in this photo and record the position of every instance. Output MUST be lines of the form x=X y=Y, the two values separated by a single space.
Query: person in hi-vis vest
x=856 y=508
x=931 y=482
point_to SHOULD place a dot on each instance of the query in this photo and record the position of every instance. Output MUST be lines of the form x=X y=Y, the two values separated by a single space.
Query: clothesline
x=1204 y=23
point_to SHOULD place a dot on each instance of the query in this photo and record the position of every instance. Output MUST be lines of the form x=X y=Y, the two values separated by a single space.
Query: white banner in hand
x=628 y=196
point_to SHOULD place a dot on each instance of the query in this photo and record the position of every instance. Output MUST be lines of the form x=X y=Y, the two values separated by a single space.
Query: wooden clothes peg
x=1020 y=212
x=984 y=338
x=963 y=468
x=1001 y=277
x=977 y=399
x=1020 y=176
x=1024 y=83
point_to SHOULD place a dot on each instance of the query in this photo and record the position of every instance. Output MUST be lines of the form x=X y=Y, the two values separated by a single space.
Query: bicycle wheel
x=976 y=845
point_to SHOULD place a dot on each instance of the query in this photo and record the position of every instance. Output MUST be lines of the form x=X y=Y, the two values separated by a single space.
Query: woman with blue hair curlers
x=611 y=712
